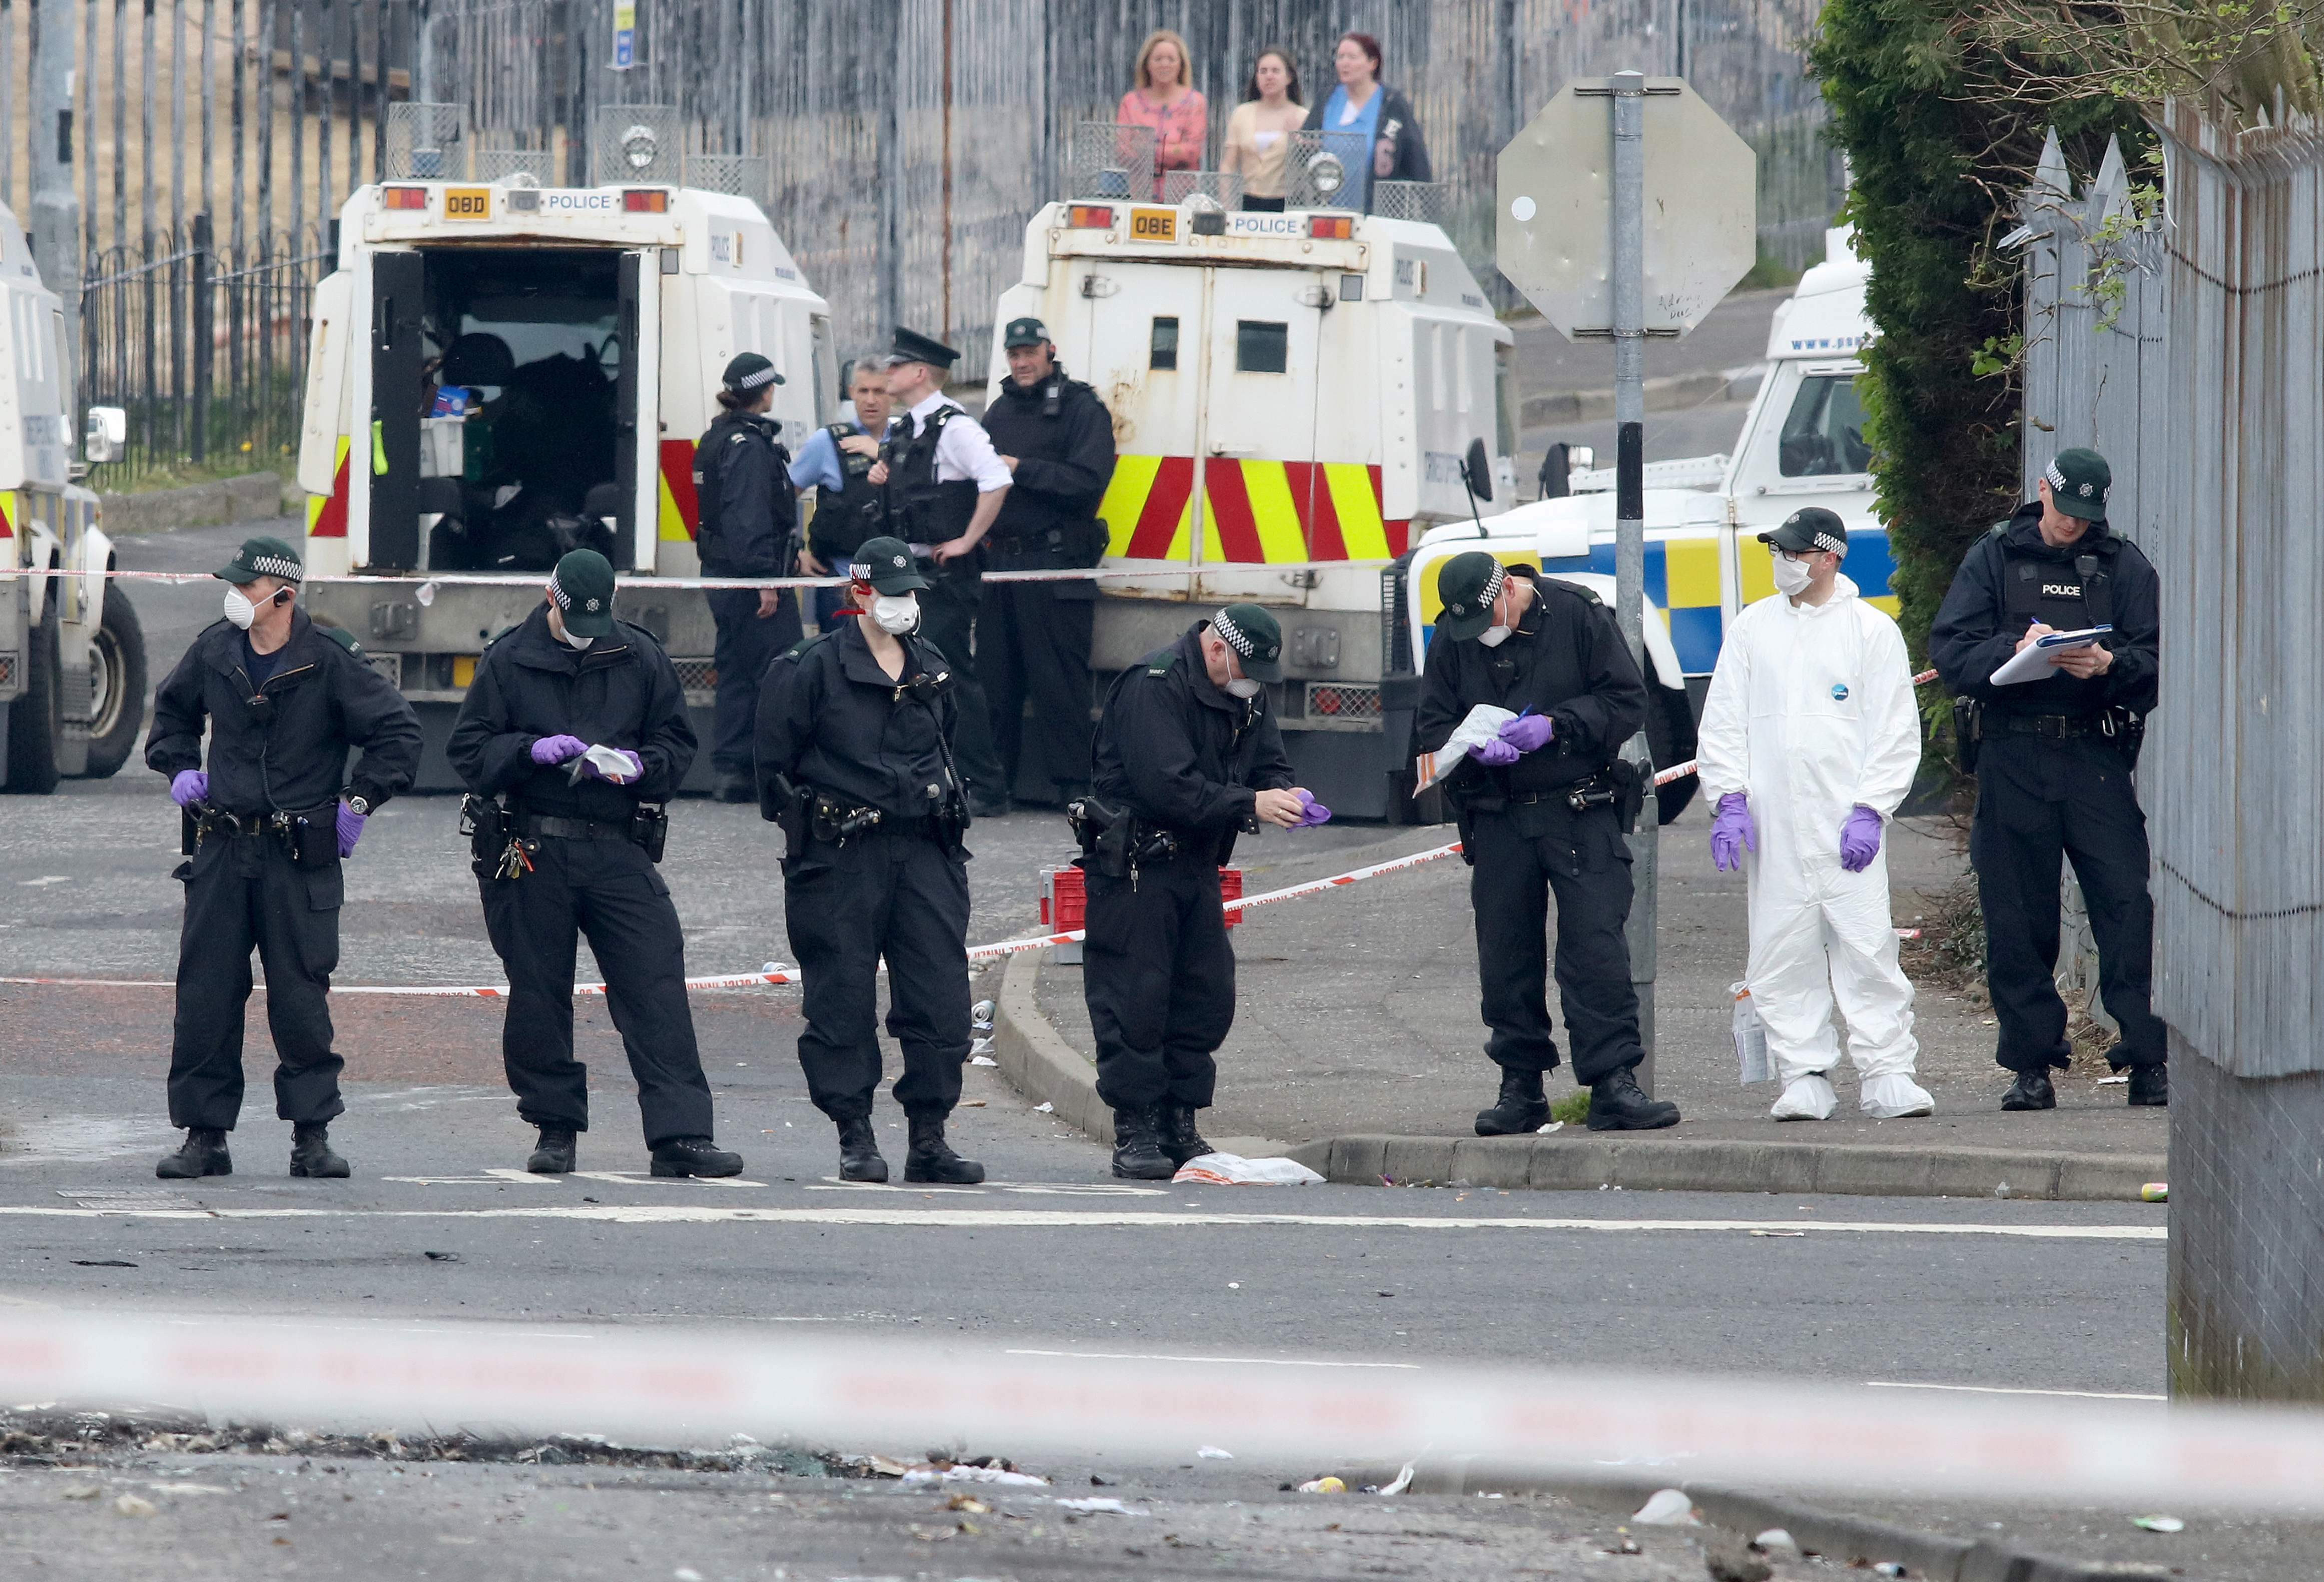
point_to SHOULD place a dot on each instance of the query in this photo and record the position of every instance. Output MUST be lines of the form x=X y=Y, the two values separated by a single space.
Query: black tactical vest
x=856 y=510
x=926 y=512
x=2067 y=595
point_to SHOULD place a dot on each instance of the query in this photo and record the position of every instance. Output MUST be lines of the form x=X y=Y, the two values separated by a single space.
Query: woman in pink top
x=1163 y=100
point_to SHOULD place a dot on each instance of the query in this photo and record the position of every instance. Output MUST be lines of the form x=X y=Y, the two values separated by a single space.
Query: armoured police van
x=72 y=658
x=500 y=372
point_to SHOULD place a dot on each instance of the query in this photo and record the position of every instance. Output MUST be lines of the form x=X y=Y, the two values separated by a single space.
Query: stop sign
x=1553 y=213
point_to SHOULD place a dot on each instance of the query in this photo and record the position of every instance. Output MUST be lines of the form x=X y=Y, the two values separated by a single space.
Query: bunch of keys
x=517 y=860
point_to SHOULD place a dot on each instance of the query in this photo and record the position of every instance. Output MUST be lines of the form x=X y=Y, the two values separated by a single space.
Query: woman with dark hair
x=1258 y=132
x=1166 y=100
x=1362 y=103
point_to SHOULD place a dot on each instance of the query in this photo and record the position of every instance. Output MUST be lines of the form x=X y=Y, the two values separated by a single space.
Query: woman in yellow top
x=1165 y=100
x=1258 y=132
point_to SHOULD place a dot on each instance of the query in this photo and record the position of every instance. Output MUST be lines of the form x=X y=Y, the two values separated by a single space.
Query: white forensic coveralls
x=1810 y=712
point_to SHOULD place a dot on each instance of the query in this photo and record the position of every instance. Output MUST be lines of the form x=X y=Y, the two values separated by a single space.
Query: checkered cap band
x=2057 y=479
x=1230 y=634
x=1493 y=586
x=863 y=570
x=564 y=600
x=753 y=381
x=276 y=566
x=2079 y=490
x=1826 y=541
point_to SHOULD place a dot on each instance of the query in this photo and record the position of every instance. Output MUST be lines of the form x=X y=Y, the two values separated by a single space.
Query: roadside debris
x=1322 y=1486
x=935 y=1473
x=1234 y=1169
x=131 y=1505
x=2155 y=1192
x=2159 y=1524
x=1213 y=1453
x=1729 y=1562
x=1777 y=1540
x=1667 y=1507
x=1397 y=1484
x=1097 y=1506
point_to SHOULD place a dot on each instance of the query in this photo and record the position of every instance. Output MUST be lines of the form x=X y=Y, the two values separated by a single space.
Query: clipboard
x=2032 y=663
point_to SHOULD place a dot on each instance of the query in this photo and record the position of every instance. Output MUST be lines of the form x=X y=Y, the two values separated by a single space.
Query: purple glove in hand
x=1732 y=831
x=1859 y=839
x=1311 y=811
x=1495 y=754
x=556 y=750
x=351 y=829
x=634 y=767
x=1528 y=733
x=187 y=787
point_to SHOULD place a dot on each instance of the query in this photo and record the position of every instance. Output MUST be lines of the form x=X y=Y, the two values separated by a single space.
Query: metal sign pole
x=1629 y=293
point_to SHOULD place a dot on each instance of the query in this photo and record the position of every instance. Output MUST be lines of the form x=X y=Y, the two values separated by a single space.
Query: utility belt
x=1116 y=841
x=310 y=838
x=504 y=840
x=1063 y=546
x=2122 y=728
x=809 y=813
x=1617 y=784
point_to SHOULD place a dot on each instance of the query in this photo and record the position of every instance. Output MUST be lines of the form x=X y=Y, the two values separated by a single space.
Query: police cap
x=583 y=587
x=912 y=347
x=887 y=565
x=2079 y=482
x=1807 y=529
x=1255 y=637
x=260 y=557
x=748 y=373
x=1024 y=331
x=1468 y=583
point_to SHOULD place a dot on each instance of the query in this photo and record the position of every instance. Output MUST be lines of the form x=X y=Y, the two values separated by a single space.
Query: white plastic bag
x=1233 y=1169
x=1750 y=1038
x=1482 y=725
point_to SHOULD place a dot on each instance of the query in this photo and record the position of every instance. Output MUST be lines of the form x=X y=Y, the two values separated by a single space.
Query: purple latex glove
x=1495 y=754
x=635 y=767
x=1732 y=831
x=556 y=750
x=1528 y=733
x=1311 y=811
x=1859 y=839
x=187 y=787
x=351 y=829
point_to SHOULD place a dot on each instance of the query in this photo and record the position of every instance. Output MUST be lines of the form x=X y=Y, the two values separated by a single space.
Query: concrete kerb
x=1853 y=1541
x=1041 y=1066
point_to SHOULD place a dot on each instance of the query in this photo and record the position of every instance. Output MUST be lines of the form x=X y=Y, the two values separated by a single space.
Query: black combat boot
x=559 y=1151
x=1618 y=1104
x=1137 y=1153
x=1180 y=1140
x=694 y=1156
x=310 y=1153
x=1521 y=1108
x=859 y=1151
x=202 y=1153
x=2032 y=1090
x=2151 y=1085
x=932 y=1159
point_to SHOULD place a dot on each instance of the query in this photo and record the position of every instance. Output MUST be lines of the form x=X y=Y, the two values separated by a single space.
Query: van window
x=1261 y=348
x=1823 y=433
x=1163 y=352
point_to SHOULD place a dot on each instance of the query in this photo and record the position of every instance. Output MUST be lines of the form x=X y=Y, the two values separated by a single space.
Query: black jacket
x=1179 y=752
x=622 y=691
x=1565 y=659
x=1974 y=635
x=830 y=719
x=1064 y=460
x=744 y=498
x=323 y=699
x=1398 y=127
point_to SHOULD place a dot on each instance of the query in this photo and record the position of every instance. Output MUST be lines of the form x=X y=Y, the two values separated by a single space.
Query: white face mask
x=898 y=615
x=1791 y=576
x=564 y=635
x=1493 y=637
x=1242 y=686
x=242 y=612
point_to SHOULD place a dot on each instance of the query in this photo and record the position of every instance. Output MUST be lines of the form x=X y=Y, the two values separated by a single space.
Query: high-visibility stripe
x=1125 y=497
x=7 y=528
x=1227 y=511
x=1354 y=496
x=1273 y=512
x=678 y=509
x=1255 y=512
x=327 y=514
x=1322 y=522
x=1162 y=515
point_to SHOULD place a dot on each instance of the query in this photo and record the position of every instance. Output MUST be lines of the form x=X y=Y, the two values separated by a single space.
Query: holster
x=190 y=828
x=649 y=828
x=1968 y=732
x=485 y=822
x=1104 y=832
x=312 y=837
x=1629 y=783
x=793 y=818
x=2126 y=730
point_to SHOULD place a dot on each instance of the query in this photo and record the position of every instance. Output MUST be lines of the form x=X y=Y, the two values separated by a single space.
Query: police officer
x=1187 y=754
x=2053 y=758
x=267 y=826
x=945 y=486
x=1033 y=639
x=572 y=735
x=836 y=463
x=1543 y=805
x=743 y=486
x=855 y=764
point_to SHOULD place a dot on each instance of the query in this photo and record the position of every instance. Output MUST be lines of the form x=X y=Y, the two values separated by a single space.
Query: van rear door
x=1135 y=332
x=390 y=452
x=1263 y=497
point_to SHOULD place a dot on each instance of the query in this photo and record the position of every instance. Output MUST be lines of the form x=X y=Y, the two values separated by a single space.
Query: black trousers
x=244 y=892
x=948 y=609
x=1034 y=642
x=902 y=895
x=1522 y=857
x=2040 y=801
x=607 y=891
x=747 y=644
x=1158 y=974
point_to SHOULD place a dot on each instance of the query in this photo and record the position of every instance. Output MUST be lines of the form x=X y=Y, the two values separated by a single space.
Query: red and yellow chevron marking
x=1259 y=512
x=327 y=514
x=7 y=523
x=680 y=513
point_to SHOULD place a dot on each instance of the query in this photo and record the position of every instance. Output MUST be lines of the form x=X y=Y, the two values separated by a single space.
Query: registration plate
x=1153 y=224
x=468 y=203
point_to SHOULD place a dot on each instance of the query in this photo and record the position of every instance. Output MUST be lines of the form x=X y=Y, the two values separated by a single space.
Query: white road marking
x=1161 y=1356
x=1062 y=1219
x=2007 y=1390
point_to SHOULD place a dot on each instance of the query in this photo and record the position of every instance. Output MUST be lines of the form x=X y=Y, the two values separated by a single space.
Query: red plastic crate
x=1065 y=905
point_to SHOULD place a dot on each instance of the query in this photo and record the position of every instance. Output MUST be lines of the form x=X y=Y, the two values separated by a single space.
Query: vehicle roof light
x=403 y=198
x=1341 y=226
x=648 y=200
x=1090 y=216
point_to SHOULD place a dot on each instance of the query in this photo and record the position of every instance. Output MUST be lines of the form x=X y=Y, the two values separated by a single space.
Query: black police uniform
x=1185 y=759
x=2053 y=776
x=583 y=870
x=1524 y=840
x=923 y=511
x=742 y=487
x=278 y=758
x=839 y=741
x=1033 y=639
x=856 y=510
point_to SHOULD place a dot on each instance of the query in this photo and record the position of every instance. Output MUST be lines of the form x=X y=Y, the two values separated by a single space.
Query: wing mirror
x=106 y=438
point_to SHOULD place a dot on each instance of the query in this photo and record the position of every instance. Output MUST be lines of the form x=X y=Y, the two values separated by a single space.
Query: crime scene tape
x=699 y=1387
x=426 y=588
